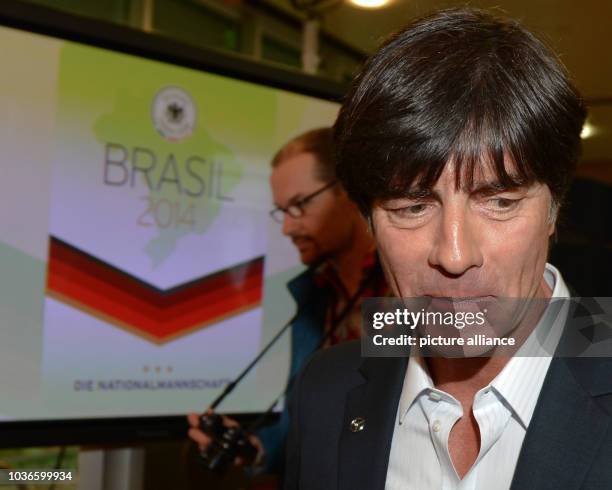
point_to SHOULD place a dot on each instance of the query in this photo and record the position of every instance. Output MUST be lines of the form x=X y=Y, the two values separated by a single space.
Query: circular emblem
x=174 y=113
x=357 y=424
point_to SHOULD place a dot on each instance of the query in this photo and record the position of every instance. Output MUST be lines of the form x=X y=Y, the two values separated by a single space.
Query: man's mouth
x=459 y=295
x=301 y=243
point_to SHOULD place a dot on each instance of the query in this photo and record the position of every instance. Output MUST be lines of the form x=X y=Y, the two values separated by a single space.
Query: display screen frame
x=59 y=25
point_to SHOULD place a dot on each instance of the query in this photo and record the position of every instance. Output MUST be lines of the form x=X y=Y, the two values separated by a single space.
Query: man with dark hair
x=333 y=241
x=458 y=141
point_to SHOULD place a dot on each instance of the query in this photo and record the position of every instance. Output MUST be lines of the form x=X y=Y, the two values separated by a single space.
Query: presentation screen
x=140 y=268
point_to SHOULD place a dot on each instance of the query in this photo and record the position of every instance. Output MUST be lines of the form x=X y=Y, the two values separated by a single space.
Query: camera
x=227 y=444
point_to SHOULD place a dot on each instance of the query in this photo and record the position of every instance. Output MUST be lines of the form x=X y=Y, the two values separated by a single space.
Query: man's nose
x=457 y=246
x=290 y=224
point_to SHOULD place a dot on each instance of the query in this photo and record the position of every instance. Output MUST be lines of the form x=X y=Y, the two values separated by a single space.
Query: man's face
x=478 y=243
x=329 y=218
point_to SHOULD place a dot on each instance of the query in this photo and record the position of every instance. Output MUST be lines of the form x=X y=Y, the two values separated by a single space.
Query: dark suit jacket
x=568 y=444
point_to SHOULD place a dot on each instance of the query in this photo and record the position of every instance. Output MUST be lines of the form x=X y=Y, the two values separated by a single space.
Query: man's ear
x=344 y=195
x=553 y=217
x=340 y=190
x=553 y=214
x=370 y=222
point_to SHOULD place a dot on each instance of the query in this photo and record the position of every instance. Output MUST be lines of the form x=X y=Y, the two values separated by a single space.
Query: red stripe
x=103 y=289
x=122 y=281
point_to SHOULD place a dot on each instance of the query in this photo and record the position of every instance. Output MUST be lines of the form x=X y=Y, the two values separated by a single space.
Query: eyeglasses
x=296 y=209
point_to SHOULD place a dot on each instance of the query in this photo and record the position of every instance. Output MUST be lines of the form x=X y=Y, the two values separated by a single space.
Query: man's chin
x=310 y=259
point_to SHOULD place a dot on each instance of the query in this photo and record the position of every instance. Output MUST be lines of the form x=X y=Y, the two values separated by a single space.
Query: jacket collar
x=568 y=426
x=364 y=454
x=302 y=287
x=569 y=423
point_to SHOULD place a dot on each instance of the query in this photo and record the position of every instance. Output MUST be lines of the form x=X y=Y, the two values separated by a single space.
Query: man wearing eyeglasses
x=333 y=241
x=328 y=231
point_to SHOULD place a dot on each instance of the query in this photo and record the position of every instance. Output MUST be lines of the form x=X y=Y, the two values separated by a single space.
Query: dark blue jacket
x=306 y=334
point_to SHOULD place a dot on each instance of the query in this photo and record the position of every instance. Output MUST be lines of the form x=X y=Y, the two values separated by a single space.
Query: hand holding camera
x=223 y=441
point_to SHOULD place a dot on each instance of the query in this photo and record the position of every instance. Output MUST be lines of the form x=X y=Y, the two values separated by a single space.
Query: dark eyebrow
x=481 y=188
x=297 y=198
x=492 y=188
x=417 y=193
x=291 y=201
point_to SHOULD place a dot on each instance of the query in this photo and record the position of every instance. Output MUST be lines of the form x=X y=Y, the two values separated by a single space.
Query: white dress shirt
x=420 y=459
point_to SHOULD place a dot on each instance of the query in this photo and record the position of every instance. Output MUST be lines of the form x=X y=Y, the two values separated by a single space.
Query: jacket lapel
x=364 y=454
x=567 y=427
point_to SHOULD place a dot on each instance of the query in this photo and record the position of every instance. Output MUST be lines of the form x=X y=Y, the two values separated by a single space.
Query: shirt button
x=436 y=426
x=434 y=396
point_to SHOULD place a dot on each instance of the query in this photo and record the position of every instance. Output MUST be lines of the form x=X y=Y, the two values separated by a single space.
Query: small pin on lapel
x=357 y=424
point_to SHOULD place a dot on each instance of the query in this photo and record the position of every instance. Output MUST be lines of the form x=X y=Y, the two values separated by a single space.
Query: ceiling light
x=369 y=4
x=588 y=130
